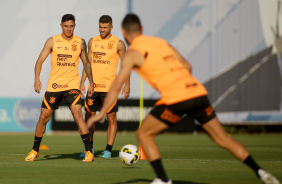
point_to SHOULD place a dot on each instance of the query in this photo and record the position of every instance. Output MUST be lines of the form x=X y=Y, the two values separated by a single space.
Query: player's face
x=105 y=29
x=68 y=28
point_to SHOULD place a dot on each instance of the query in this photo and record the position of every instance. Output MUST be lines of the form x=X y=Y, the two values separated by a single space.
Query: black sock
x=91 y=142
x=86 y=140
x=252 y=164
x=109 y=148
x=159 y=170
x=36 y=143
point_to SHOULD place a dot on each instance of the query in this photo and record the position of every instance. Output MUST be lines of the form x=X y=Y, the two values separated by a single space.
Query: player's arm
x=183 y=60
x=87 y=67
x=129 y=60
x=38 y=66
x=126 y=90
x=84 y=76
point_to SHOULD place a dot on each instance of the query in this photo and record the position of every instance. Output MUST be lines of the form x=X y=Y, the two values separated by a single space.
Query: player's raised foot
x=32 y=155
x=82 y=155
x=159 y=181
x=267 y=178
x=89 y=157
x=106 y=154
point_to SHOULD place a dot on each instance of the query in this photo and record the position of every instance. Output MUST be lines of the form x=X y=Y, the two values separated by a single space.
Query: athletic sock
x=159 y=170
x=109 y=148
x=86 y=140
x=91 y=142
x=36 y=144
x=252 y=164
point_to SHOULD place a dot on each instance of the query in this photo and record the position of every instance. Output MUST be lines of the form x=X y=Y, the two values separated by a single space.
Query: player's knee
x=44 y=118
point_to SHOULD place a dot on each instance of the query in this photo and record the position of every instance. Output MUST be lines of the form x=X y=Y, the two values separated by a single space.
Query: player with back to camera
x=167 y=71
x=63 y=83
x=104 y=53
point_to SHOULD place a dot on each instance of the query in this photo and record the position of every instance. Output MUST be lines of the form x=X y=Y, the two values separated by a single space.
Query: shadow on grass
x=76 y=156
x=99 y=153
x=148 y=181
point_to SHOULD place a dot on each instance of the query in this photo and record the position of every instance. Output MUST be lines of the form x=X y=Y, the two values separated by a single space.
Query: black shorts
x=52 y=100
x=96 y=101
x=196 y=108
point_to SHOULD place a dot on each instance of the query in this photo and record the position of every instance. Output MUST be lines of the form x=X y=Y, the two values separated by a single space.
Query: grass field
x=188 y=159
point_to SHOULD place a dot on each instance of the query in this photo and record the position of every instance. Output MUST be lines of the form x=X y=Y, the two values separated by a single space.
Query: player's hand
x=37 y=85
x=82 y=90
x=90 y=90
x=94 y=118
x=125 y=92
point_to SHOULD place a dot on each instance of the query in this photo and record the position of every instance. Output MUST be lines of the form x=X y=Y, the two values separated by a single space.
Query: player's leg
x=112 y=127
x=219 y=136
x=150 y=128
x=91 y=132
x=84 y=132
x=111 y=134
x=74 y=101
x=44 y=117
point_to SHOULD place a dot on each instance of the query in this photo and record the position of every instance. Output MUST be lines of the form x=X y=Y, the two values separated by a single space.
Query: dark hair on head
x=68 y=17
x=131 y=23
x=106 y=19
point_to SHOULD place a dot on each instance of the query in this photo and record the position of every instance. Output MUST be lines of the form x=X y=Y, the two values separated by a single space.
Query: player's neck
x=68 y=38
x=107 y=37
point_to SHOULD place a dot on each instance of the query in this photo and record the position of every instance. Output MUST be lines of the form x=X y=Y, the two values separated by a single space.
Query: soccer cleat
x=159 y=181
x=82 y=155
x=266 y=177
x=106 y=154
x=32 y=155
x=89 y=157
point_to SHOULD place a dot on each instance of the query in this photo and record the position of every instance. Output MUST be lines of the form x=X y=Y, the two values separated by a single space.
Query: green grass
x=187 y=159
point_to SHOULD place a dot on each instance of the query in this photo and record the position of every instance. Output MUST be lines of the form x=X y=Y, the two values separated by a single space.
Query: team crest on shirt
x=73 y=47
x=110 y=46
x=52 y=100
x=90 y=102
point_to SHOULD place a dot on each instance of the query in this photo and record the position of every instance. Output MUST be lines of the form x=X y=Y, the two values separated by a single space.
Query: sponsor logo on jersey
x=101 y=61
x=98 y=55
x=75 y=41
x=100 y=85
x=57 y=86
x=63 y=57
x=58 y=40
x=66 y=64
x=73 y=47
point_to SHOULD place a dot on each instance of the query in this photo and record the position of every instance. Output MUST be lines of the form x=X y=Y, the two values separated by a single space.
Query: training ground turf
x=188 y=159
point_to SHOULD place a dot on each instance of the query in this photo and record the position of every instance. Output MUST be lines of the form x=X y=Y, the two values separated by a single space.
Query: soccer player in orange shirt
x=167 y=71
x=63 y=83
x=104 y=53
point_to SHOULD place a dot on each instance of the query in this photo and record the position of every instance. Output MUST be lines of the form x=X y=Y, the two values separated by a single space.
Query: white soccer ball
x=129 y=154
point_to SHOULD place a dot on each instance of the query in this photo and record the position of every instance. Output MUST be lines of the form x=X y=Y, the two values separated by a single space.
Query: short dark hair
x=68 y=17
x=131 y=23
x=106 y=19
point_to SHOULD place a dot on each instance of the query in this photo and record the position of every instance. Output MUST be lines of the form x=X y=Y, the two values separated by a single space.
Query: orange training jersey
x=64 y=74
x=164 y=72
x=104 y=62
